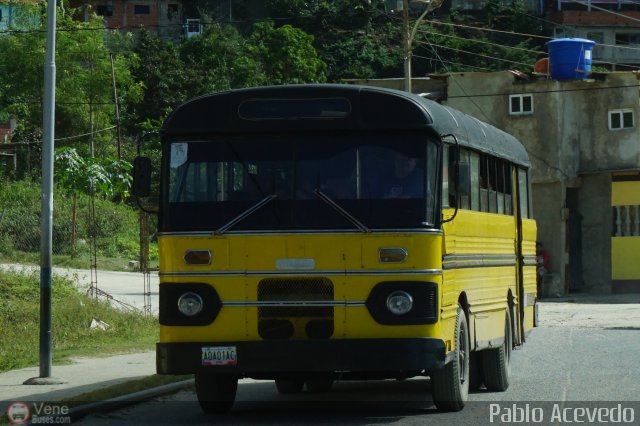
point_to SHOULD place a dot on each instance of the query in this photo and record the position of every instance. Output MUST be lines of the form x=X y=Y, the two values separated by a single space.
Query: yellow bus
x=315 y=233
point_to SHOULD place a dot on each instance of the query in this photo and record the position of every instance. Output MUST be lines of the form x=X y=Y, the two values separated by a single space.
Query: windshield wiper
x=245 y=214
x=324 y=197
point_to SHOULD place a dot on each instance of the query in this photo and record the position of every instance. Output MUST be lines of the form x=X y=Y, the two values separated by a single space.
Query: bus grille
x=294 y=314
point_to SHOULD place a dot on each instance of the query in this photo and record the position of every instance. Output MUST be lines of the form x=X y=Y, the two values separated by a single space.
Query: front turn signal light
x=393 y=254
x=197 y=257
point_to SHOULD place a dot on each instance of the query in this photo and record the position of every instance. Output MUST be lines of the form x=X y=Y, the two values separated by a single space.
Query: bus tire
x=450 y=385
x=319 y=385
x=288 y=386
x=216 y=392
x=497 y=362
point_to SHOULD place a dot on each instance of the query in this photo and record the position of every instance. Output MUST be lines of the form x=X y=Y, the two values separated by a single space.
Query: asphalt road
x=582 y=361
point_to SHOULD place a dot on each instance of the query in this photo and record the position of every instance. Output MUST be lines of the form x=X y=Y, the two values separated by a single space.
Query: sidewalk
x=82 y=376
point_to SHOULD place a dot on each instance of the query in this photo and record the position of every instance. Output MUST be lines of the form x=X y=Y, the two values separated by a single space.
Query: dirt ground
x=617 y=311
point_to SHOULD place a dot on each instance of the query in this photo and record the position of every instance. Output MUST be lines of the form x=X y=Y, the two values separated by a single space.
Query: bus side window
x=445 y=176
x=484 y=184
x=493 y=184
x=474 y=162
x=523 y=193
x=508 y=199
x=464 y=200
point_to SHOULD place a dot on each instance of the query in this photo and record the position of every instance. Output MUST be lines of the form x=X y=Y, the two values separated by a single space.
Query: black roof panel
x=372 y=108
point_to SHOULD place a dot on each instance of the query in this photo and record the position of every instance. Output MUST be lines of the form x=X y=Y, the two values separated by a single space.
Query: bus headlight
x=399 y=302
x=190 y=304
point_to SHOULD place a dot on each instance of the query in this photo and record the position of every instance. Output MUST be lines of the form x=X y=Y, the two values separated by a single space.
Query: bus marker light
x=190 y=304
x=399 y=302
x=393 y=254
x=197 y=257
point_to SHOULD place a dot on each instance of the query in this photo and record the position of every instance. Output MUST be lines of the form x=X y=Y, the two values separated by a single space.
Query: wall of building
x=597 y=219
x=548 y=202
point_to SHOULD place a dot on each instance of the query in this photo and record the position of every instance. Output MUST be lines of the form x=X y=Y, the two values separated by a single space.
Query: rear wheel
x=450 y=385
x=496 y=364
x=216 y=392
x=286 y=386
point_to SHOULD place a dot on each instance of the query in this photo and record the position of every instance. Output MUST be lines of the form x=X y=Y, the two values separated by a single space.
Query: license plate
x=219 y=355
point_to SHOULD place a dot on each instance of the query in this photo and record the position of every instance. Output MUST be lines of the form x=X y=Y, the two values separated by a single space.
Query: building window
x=193 y=27
x=626 y=39
x=172 y=11
x=141 y=9
x=104 y=10
x=621 y=119
x=520 y=104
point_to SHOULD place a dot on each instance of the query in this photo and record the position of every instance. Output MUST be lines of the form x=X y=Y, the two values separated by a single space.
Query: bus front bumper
x=352 y=355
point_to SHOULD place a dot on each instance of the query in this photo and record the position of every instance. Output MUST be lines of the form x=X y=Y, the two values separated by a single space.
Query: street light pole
x=46 y=216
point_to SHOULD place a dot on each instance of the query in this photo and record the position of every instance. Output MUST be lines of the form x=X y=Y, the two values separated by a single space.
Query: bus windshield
x=336 y=181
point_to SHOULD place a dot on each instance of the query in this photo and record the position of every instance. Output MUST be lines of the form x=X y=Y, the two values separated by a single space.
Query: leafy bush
x=114 y=225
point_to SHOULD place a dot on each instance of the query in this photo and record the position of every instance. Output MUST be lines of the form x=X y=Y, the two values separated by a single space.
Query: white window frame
x=520 y=98
x=188 y=27
x=620 y=113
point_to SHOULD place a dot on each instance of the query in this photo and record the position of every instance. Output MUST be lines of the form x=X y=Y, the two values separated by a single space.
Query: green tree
x=218 y=60
x=164 y=79
x=84 y=93
x=286 y=54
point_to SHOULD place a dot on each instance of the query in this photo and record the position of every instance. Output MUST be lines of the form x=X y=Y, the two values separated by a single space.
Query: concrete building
x=583 y=140
x=613 y=24
x=163 y=16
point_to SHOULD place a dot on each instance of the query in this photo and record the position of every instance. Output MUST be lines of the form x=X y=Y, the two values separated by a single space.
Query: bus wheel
x=319 y=385
x=216 y=392
x=450 y=385
x=497 y=362
x=286 y=386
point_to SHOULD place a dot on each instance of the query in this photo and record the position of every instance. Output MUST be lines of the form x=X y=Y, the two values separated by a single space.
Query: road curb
x=79 y=412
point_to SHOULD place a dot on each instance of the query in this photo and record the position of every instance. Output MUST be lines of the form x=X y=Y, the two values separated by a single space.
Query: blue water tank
x=570 y=58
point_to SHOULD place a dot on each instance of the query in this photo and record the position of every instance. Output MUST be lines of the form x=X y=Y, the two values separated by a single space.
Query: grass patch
x=125 y=388
x=72 y=313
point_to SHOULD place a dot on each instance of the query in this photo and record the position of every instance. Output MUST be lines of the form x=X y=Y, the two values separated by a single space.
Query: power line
x=474 y=53
x=489 y=29
x=85 y=134
x=450 y=62
x=482 y=42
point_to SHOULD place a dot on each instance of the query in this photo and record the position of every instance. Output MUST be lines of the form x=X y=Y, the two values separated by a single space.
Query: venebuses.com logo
x=18 y=413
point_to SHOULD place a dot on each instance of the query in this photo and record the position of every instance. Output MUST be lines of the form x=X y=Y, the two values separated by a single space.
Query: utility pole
x=46 y=218
x=406 y=44
x=409 y=33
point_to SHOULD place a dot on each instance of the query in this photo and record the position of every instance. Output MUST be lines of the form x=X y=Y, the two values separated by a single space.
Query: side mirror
x=464 y=180
x=141 y=176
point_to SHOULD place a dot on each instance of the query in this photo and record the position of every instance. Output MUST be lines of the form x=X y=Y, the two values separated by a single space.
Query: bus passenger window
x=445 y=176
x=474 y=162
x=484 y=184
x=500 y=188
x=464 y=200
x=508 y=198
x=493 y=185
x=523 y=193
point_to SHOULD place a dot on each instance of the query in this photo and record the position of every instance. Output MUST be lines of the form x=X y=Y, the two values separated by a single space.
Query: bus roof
x=332 y=107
